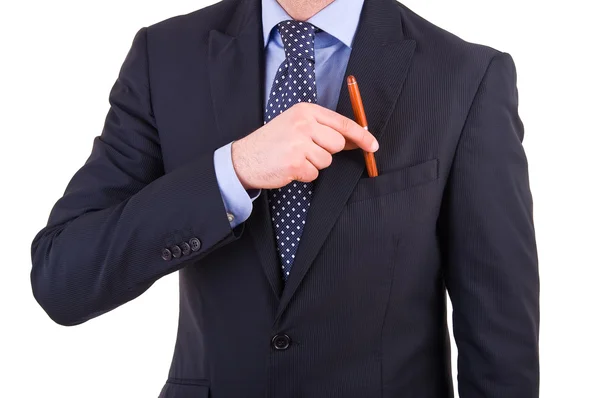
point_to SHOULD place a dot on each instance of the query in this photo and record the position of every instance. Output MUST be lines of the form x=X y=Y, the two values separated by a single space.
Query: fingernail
x=374 y=146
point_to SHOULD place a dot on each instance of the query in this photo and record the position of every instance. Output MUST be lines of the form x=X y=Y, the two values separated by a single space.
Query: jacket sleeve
x=491 y=268
x=106 y=237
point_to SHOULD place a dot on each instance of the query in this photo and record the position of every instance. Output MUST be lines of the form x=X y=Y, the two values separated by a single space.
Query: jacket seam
x=462 y=130
x=189 y=382
x=150 y=104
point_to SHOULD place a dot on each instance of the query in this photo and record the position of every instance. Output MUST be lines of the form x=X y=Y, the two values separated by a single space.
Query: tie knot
x=298 y=39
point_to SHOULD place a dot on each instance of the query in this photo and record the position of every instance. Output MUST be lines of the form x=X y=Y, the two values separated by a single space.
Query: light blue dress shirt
x=338 y=22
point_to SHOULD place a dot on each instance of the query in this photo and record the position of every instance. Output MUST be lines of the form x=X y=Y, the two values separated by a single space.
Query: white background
x=59 y=60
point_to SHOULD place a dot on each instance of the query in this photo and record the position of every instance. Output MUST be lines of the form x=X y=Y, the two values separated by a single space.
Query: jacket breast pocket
x=395 y=181
x=184 y=388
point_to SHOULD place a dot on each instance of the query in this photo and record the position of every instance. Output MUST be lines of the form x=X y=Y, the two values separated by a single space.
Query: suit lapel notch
x=236 y=63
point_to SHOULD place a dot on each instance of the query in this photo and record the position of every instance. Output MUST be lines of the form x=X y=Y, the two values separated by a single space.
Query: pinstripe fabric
x=365 y=308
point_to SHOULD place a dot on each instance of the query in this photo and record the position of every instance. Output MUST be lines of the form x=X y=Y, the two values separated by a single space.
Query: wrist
x=240 y=165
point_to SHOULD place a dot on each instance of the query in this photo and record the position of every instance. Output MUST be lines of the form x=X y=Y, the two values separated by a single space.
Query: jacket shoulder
x=215 y=16
x=442 y=47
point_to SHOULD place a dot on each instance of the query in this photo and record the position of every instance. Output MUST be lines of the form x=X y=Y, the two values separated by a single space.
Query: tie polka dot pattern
x=295 y=79
x=294 y=82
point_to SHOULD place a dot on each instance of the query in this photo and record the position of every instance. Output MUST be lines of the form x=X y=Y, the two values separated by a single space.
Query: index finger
x=348 y=128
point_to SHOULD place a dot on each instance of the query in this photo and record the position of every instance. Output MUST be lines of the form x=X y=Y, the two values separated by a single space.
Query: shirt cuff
x=237 y=201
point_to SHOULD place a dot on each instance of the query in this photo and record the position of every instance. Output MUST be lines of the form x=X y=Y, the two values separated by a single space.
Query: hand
x=295 y=145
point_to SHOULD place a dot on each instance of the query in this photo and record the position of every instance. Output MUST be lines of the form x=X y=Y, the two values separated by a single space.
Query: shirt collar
x=339 y=19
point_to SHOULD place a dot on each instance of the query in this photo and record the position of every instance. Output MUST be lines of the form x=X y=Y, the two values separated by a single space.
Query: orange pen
x=361 y=118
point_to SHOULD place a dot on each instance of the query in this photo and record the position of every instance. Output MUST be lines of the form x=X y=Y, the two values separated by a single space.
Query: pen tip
x=351 y=79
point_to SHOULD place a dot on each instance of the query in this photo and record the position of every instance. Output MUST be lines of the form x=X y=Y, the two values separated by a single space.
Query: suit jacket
x=363 y=313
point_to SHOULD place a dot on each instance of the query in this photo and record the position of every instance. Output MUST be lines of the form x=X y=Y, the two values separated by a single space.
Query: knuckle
x=294 y=115
x=296 y=164
x=296 y=112
x=306 y=106
x=328 y=159
x=302 y=126
x=311 y=175
x=345 y=125
x=339 y=144
x=301 y=107
x=314 y=175
x=364 y=138
x=299 y=145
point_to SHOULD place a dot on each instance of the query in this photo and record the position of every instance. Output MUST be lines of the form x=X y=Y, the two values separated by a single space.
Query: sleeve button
x=166 y=254
x=176 y=250
x=195 y=244
x=185 y=248
x=230 y=217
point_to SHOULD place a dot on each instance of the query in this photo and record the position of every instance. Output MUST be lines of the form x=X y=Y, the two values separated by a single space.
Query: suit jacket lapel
x=236 y=65
x=380 y=60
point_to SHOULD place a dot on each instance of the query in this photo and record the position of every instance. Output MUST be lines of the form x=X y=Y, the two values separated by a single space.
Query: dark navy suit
x=363 y=313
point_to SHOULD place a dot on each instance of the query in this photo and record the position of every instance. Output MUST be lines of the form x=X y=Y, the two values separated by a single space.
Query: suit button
x=281 y=342
x=195 y=244
x=185 y=248
x=176 y=250
x=166 y=254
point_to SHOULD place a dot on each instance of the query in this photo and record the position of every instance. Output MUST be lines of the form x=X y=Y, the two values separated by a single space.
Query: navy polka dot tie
x=294 y=82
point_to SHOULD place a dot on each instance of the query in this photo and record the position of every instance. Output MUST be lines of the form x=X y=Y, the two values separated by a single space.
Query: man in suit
x=229 y=155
